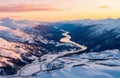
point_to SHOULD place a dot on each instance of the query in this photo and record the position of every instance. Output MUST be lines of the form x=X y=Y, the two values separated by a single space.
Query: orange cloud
x=29 y=7
x=104 y=6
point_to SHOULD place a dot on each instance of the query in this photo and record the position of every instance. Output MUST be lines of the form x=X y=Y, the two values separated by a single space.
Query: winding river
x=67 y=38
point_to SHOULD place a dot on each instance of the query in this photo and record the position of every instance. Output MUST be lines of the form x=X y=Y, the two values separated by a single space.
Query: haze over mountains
x=26 y=44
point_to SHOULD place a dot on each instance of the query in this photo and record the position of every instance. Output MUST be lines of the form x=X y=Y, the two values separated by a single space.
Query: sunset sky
x=57 y=10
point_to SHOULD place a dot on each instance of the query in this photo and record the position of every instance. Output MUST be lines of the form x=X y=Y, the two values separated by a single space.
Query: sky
x=59 y=10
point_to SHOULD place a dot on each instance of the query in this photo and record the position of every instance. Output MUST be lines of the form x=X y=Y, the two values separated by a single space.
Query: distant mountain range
x=97 y=34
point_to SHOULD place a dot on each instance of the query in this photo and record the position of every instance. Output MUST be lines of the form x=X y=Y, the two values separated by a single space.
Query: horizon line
x=60 y=20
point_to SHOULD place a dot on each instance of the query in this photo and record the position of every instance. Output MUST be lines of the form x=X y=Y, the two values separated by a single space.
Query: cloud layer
x=28 y=7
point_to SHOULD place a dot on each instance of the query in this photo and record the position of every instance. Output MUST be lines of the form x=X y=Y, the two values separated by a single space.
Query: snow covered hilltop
x=38 y=47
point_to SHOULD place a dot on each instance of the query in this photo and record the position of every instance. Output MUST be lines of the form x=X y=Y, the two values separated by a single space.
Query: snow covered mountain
x=15 y=44
x=30 y=49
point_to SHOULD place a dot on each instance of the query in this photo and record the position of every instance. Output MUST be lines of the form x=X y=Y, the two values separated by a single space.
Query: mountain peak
x=6 y=19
